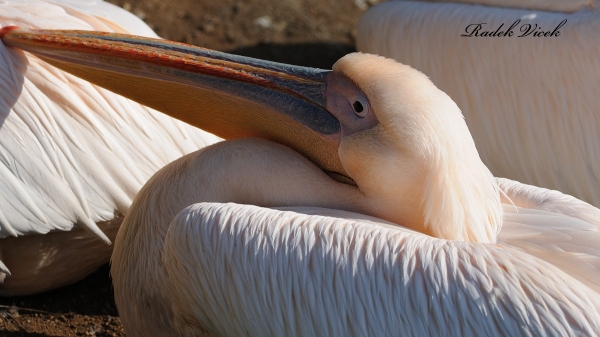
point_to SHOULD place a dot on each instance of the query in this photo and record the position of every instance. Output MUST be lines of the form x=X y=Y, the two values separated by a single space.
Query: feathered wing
x=554 y=227
x=530 y=102
x=71 y=152
x=244 y=270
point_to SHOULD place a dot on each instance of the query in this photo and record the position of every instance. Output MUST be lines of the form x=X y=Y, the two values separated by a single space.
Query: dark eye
x=360 y=106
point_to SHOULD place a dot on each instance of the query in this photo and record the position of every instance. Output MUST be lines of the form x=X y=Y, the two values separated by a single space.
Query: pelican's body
x=530 y=102
x=241 y=270
x=190 y=260
x=72 y=155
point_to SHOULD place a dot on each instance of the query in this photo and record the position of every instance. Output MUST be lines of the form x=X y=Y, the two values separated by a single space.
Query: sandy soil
x=305 y=32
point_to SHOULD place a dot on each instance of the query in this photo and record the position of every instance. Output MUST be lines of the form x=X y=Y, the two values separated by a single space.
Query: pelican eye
x=360 y=107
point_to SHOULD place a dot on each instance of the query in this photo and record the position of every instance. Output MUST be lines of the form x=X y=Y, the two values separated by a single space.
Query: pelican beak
x=228 y=95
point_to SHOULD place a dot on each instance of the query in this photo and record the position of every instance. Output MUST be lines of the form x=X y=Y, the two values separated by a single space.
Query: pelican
x=253 y=237
x=531 y=103
x=72 y=155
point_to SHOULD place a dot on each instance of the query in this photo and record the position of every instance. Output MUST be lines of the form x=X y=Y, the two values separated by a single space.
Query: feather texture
x=554 y=227
x=239 y=264
x=72 y=153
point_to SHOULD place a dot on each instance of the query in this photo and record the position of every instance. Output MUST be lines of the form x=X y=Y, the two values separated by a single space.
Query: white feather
x=554 y=227
x=72 y=153
x=242 y=270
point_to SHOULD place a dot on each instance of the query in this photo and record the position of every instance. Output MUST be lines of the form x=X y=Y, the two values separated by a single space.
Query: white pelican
x=72 y=155
x=530 y=102
x=430 y=249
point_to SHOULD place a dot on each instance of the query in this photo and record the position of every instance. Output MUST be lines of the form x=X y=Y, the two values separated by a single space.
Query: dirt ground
x=305 y=32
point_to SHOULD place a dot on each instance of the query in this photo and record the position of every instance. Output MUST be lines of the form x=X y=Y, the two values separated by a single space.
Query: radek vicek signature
x=525 y=29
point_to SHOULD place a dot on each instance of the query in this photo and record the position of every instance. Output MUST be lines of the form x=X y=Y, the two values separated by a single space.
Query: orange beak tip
x=6 y=30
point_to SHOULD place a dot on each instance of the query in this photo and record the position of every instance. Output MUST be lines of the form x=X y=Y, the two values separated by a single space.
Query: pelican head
x=406 y=145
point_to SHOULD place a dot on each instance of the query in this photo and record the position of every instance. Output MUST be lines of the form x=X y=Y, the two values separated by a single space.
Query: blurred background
x=304 y=32
x=312 y=33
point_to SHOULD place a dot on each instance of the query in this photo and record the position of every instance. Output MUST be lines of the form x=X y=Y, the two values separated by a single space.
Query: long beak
x=228 y=95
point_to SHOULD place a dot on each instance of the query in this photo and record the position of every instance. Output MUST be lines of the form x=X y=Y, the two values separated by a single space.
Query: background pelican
x=531 y=102
x=71 y=153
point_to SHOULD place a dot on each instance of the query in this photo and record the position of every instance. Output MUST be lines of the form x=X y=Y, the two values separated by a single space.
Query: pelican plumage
x=530 y=102
x=420 y=245
x=199 y=254
x=72 y=155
